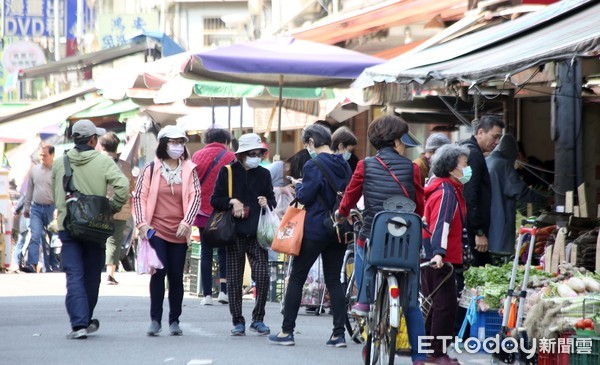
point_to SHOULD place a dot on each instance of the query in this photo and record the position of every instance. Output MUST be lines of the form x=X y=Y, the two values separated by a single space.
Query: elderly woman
x=444 y=213
x=252 y=191
x=165 y=200
x=319 y=198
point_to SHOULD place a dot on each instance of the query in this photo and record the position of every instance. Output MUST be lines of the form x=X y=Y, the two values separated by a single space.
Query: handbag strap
x=212 y=166
x=229 y=181
x=338 y=193
x=393 y=175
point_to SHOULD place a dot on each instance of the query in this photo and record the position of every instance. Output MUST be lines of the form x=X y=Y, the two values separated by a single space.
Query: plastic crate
x=488 y=325
x=557 y=357
x=593 y=358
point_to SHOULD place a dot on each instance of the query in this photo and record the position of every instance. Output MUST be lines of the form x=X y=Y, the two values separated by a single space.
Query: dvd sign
x=32 y=18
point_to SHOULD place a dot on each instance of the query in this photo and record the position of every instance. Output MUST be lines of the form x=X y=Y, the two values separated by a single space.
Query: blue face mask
x=312 y=153
x=467 y=173
x=347 y=155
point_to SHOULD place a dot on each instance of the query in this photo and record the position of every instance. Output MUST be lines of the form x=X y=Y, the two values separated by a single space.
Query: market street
x=33 y=325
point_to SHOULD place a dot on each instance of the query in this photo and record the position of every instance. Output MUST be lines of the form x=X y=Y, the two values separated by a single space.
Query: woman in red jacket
x=444 y=213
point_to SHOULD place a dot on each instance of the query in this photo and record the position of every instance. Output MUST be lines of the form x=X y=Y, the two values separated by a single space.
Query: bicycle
x=354 y=325
x=396 y=255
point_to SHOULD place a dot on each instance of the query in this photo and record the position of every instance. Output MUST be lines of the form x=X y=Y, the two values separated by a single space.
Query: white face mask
x=175 y=151
x=252 y=162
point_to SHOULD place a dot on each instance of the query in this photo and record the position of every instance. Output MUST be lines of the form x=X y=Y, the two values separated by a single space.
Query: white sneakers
x=223 y=298
x=207 y=300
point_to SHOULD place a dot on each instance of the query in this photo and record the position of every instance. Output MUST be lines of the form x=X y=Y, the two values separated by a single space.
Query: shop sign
x=116 y=28
x=21 y=55
x=32 y=18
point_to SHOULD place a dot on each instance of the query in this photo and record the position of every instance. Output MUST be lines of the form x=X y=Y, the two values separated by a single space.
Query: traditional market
x=313 y=154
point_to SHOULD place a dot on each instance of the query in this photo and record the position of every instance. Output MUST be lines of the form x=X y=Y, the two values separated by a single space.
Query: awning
x=27 y=127
x=48 y=103
x=106 y=108
x=560 y=31
x=84 y=61
x=334 y=29
x=168 y=46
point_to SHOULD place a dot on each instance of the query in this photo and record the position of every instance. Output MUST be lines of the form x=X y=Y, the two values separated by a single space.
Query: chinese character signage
x=32 y=18
x=115 y=29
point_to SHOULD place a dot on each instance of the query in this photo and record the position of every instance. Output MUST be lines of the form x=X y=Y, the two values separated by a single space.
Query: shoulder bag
x=89 y=218
x=220 y=228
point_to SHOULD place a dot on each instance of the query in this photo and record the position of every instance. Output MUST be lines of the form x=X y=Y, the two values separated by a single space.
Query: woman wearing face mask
x=319 y=199
x=165 y=200
x=445 y=211
x=252 y=191
x=343 y=141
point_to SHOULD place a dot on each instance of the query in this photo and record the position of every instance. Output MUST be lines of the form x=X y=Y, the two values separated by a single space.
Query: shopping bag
x=147 y=259
x=268 y=223
x=288 y=238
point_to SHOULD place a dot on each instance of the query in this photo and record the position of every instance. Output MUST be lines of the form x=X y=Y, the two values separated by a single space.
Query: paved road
x=33 y=325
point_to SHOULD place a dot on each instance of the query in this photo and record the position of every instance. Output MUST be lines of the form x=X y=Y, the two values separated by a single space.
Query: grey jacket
x=507 y=189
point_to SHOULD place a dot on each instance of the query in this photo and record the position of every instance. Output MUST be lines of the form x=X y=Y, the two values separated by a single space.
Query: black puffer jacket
x=478 y=191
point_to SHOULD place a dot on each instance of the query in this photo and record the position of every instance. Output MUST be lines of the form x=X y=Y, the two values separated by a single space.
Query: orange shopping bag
x=288 y=237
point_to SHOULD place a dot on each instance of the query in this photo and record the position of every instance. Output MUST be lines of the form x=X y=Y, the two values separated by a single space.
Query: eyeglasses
x=176 y=141
x=255 y=154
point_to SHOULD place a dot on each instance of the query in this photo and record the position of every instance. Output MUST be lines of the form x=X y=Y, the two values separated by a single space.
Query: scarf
x=172 y=176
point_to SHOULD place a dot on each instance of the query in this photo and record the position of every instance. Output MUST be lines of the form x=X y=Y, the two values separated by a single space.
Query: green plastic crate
x=578 y=358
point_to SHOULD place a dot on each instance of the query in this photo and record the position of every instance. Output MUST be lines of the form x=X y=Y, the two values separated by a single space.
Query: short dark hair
x=383 y=131
x=161 y=150
x=47 y=146
x=320 y=135
x=445 y=159
x=83 y=140
x=218 y=135
x=344 y=136
x=324 y=123
x=487 y=122
x=110 y=142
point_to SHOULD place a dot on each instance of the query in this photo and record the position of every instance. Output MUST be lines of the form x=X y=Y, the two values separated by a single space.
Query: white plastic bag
x=268 y=223
x=284 y=197
x=147 y=259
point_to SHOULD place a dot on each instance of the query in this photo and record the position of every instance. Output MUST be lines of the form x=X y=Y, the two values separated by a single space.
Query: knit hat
x=436 y=141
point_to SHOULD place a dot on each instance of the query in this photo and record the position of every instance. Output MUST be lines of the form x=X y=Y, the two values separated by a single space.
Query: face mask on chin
x=252 y=162
x=175 y=151
x=311 y=153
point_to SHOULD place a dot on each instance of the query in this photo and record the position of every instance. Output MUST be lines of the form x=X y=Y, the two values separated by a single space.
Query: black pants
x=443 y=312
x=172 y=256
x=332 y=253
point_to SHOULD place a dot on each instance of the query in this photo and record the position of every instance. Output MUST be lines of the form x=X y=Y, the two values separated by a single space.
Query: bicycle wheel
x=385 y=341
x=351 y=292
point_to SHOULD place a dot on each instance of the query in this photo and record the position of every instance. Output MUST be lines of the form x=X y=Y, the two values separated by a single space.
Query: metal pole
x=278 y=138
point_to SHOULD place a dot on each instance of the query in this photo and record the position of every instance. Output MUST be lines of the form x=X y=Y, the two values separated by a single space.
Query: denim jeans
x=206 y=263
x=40 y=217
x=359 y=255
x=172 y=256
x=415 y=325
x=82 y=263
x=18 y=250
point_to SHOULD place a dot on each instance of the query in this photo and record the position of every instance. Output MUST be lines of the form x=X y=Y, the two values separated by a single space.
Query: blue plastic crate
x=488 y=325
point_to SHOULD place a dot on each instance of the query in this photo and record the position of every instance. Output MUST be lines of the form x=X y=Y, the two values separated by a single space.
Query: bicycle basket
x=395 y=241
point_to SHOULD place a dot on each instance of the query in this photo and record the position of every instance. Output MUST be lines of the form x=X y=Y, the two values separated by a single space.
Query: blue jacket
x=314 y=184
